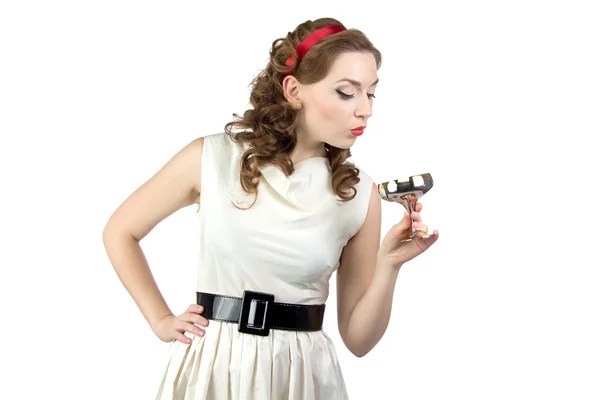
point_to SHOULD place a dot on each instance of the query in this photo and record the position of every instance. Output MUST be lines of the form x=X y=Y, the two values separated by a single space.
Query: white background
x=498 y=100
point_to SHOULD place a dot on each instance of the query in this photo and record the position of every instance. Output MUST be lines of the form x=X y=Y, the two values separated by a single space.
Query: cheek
x=333 y=110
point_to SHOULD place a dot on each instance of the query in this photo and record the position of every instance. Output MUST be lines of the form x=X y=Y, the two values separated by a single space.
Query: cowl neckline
x=307 y=188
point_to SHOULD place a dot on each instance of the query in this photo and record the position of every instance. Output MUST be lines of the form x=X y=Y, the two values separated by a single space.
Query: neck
x=307 y=147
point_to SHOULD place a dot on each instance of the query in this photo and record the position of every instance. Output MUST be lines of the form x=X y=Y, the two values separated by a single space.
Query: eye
x=344 y=95
x=350 y=96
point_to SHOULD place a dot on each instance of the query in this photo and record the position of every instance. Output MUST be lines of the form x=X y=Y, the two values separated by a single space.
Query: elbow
x=113 y=234
x=360 y=346
x=358 y=352
x=357 y=347
x=108 y=233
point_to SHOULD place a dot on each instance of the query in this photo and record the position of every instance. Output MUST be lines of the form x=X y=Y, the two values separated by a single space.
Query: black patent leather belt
x=257 y=312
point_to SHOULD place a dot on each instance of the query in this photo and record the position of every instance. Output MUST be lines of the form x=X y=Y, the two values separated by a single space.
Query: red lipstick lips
x=358 y=130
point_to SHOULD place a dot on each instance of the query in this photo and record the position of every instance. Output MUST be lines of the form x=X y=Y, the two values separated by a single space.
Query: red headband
x=310 y=41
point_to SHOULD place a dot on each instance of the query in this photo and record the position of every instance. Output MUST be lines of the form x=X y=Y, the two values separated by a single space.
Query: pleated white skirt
x=228 y=365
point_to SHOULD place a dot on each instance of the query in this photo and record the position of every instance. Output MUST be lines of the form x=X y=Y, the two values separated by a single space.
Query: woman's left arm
x=367 y=275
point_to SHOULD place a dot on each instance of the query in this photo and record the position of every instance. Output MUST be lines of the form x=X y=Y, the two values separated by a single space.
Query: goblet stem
x=409 y=203
x=409 y=207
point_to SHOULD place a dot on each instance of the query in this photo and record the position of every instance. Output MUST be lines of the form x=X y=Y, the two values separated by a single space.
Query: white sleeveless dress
x=288 y=244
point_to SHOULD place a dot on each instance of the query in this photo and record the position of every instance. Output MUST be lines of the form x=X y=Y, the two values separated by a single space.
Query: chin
x=351 y=140
x=345 y=145
x=342 y=142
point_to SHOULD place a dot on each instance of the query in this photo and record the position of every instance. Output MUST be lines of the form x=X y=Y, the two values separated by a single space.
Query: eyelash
x=350 y=96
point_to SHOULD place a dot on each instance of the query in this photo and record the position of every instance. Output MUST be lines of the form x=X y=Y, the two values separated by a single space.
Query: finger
x=418 y=207
x=180 y=337
x=196 y=331
x=195 y=308
x=402 y=226
x=194 y=318
x=422 y=228
x=416 y=216
x=405 y=222
x=191 y=328
x=431 y=239
x=197 y=319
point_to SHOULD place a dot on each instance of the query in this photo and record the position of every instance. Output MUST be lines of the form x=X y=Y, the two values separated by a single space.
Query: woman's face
x=341 y=102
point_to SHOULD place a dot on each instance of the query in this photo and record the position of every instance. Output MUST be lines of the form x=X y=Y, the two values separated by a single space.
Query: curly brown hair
x=269 y=127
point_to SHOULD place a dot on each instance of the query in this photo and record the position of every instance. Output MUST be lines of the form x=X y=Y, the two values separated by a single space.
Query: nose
x=364 y=107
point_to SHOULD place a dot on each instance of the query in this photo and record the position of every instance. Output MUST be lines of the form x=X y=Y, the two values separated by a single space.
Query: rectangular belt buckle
x=256 y=310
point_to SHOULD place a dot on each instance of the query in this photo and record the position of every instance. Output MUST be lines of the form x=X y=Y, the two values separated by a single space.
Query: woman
x=280 y=208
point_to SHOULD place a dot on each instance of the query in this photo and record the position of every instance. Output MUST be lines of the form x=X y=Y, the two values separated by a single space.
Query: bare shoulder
x=174 y=186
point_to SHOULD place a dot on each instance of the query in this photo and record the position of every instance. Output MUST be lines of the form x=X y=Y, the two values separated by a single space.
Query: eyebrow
x=357 y=83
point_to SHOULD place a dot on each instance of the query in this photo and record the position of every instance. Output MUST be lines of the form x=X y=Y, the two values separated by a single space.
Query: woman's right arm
x=174 y=186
